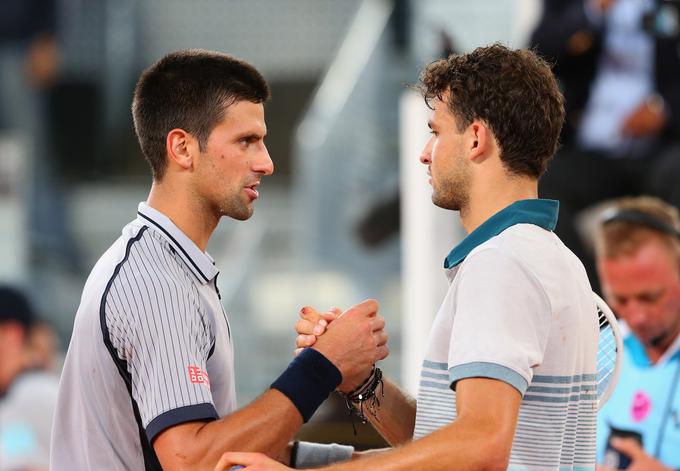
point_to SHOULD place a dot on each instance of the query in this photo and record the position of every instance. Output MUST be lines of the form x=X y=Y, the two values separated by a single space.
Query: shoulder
x=150 y=260
x=504 y=252
x=500 y=269
x=150 y=279
x=529 y=249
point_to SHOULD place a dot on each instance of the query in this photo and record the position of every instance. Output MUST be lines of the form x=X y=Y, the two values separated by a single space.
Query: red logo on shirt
x=197 y=375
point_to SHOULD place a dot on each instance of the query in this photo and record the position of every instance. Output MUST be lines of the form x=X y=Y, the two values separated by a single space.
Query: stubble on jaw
x=453 y=191
x=235 y=209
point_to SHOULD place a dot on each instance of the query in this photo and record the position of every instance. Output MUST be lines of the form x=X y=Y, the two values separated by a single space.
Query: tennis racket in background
x=609 y=352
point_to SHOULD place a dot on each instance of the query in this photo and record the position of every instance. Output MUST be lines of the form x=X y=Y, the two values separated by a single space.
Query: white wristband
x=310 y=455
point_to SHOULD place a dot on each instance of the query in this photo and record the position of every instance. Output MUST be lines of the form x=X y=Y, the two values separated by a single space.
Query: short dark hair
x=513 y=91
x=191 y=90
x=15 y=307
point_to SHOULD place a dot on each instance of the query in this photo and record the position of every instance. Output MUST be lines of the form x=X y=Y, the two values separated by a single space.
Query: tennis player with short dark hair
x=509 y=375
x=149 y=375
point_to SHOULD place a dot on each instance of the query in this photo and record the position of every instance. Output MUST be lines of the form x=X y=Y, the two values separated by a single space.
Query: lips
x=251 y=190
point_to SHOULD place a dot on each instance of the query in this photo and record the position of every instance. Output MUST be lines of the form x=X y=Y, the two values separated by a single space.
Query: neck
x=490 y=196
x=194 y=219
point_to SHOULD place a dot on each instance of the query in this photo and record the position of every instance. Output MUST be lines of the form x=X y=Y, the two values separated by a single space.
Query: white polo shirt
x=519 y=310
x=151 y=348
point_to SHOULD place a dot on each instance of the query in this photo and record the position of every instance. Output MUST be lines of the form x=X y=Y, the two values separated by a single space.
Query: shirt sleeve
x=501 y=321
x=160 y=335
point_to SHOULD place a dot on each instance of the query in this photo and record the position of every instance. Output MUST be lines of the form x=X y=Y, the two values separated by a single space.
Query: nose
x=263 y=164
x=634 y=314
x=426 y=154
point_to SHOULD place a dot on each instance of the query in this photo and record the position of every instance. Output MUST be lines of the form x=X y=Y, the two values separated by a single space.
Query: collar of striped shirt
x=540 y=212
x=200 y=263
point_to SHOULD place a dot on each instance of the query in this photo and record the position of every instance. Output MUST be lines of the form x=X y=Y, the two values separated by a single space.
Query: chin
x=240 y=213
x=445 y=203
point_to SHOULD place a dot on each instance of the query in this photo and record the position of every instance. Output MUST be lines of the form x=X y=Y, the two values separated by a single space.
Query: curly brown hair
x=513 y=91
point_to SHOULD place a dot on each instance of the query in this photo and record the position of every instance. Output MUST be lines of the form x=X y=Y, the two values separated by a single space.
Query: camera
x=612 y=457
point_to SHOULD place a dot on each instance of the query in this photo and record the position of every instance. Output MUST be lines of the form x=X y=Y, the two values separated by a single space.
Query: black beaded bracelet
x=359 y=388
x=366 y=393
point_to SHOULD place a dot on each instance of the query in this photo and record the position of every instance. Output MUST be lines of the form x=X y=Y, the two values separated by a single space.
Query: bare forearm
x=460 y=446
x=396 y=417
x=266 y=425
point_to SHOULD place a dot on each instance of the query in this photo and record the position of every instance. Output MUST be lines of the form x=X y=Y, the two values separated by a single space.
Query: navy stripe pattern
x=158 y=326
x=557 y=418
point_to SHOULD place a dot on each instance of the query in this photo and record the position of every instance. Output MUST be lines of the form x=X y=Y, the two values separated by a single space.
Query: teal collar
x=638 y=354
x=540 y=212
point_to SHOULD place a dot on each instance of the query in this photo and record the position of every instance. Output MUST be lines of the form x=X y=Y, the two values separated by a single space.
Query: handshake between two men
x=353 y=340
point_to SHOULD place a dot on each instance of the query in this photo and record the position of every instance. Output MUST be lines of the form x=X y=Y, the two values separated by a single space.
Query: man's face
x=445 y=157
x=12 y=339
x=228 y=172
x=644 y=290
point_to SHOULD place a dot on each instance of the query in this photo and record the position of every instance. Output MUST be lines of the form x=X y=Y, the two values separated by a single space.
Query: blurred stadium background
x=326 y=231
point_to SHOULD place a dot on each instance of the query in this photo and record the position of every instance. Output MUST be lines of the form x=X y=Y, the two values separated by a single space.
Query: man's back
x=95 y=394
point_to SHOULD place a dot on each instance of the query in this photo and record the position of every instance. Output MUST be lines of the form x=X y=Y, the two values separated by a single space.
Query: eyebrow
x=251 y=135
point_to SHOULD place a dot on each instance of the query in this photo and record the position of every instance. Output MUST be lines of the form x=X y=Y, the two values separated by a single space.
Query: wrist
x=353 y=389
x=308 y=381
x=364 y=397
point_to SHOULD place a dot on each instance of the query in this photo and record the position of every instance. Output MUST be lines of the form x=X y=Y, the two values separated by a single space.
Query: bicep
x=491 y=406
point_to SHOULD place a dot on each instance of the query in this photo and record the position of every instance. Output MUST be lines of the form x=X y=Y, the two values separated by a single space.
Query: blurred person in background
x=618 y=63
x=638 y=260
x=517 y=329
x=148 y=380
x=29 y=67
x=43 y=347
x=27 y=395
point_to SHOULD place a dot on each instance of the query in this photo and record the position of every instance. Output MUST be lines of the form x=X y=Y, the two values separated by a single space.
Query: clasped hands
x=353 y=340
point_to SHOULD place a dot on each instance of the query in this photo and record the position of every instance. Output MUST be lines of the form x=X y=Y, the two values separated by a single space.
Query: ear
x=479 y=141
x=181 y=148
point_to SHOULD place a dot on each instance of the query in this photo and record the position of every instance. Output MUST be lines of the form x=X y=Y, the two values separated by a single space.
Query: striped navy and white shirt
x=519 y=310
x=151 y=348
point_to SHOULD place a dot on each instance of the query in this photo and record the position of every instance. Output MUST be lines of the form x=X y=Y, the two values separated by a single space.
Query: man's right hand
x=353 y=341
